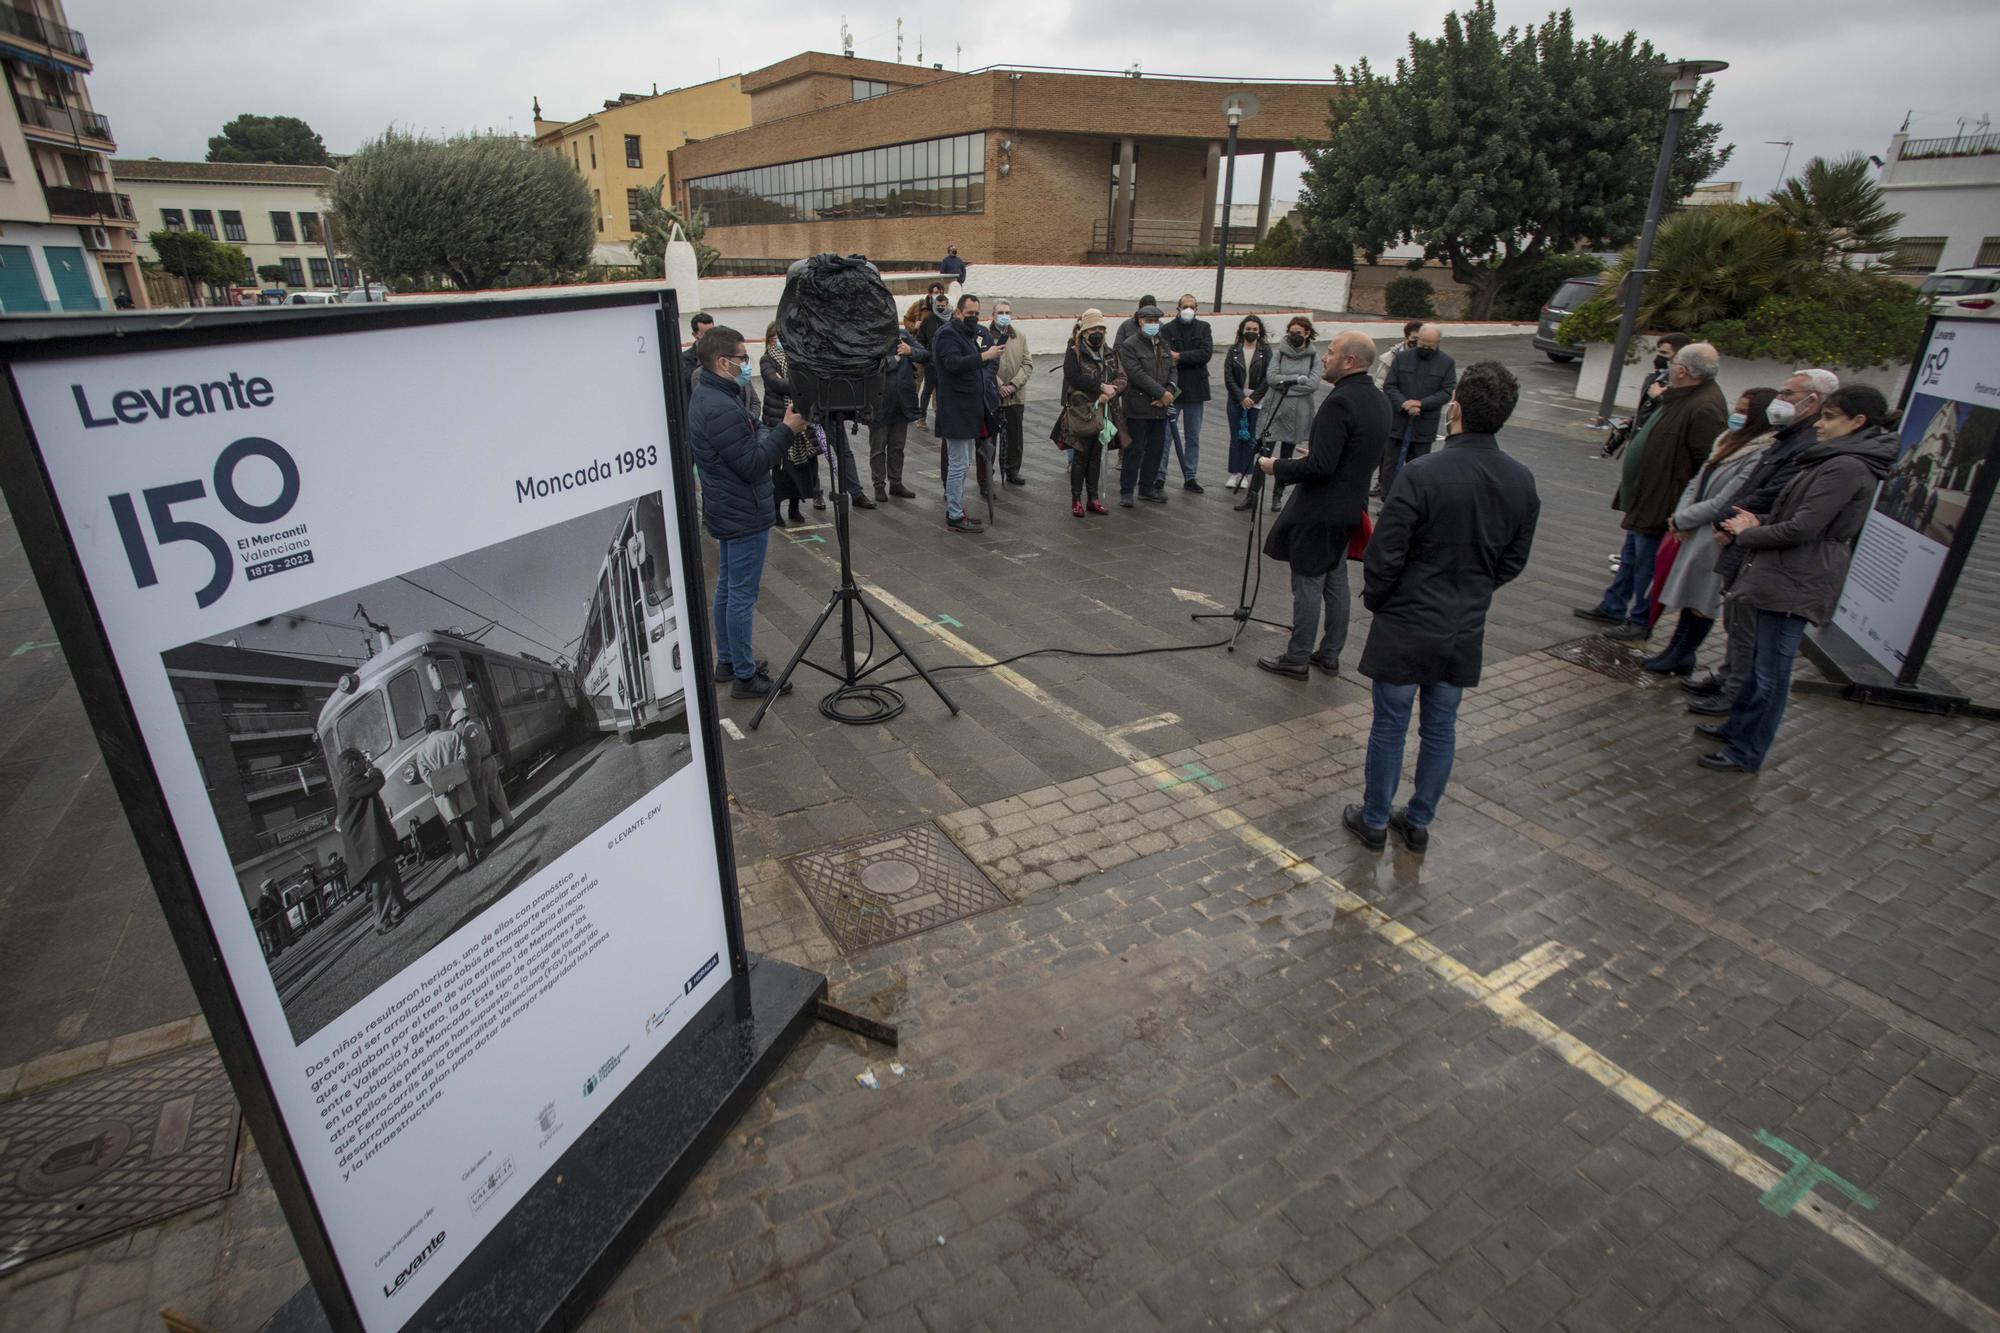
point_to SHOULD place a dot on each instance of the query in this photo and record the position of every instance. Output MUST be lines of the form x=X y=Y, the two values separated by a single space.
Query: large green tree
x=282 y=139
x=476 y=209
x=199 y=260
x=1494 y=149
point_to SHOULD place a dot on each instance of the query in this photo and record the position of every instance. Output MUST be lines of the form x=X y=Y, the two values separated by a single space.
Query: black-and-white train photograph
x=387 y=764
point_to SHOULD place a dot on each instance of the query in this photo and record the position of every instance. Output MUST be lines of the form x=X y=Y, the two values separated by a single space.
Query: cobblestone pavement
x=1218 y=1066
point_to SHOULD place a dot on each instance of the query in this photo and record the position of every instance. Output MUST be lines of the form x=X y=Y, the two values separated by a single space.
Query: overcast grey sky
x=1834 y=76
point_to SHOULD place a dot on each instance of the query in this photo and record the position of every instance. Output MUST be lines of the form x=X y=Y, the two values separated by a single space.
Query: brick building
x=1011 y=165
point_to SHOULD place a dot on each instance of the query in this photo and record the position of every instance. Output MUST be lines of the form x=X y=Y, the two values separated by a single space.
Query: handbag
x=1357 y=540
x=1082 y=415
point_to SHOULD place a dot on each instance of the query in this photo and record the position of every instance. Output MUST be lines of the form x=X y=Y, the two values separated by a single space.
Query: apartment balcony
x=66 y=125
x=26 y=30
x=266 y=725
x=1958 y=145
x=292 y=781
x=69 y=204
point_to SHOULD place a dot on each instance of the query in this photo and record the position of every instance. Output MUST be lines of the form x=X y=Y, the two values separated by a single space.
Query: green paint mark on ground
x=947 y=620
x=1193 y=773
x=801 y=541
x=29 y=646
x=1800 y=1181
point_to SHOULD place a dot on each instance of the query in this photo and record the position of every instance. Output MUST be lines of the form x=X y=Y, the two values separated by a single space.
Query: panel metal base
x=555 y=1254
x=1853 y=675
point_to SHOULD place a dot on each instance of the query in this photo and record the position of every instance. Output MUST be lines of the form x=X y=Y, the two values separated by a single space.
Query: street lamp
x=1236 y=108
x=1687 y=77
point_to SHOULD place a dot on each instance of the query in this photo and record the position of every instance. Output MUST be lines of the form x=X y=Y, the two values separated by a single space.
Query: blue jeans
x=1631 y=593
x=1184 y=430
x=1760 y=704
x=1242 y=446
x=957 y=461
x=739 y=572
x=1437 y=741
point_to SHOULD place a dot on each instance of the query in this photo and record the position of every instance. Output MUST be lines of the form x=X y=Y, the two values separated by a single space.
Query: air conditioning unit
x=96 y=238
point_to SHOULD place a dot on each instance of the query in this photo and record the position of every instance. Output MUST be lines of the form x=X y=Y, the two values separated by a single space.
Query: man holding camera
x=1329 y=478
x=735 y=459
x=968 y=401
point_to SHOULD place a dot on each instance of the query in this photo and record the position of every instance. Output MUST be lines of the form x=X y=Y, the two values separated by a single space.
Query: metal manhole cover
x=1608 y=657
x=889 y=886
x=114 y=1151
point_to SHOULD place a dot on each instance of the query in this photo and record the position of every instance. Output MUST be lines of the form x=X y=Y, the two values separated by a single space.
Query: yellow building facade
x=623 y=148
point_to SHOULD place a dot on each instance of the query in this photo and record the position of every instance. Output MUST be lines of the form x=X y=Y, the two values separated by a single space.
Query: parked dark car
x=1573 y=293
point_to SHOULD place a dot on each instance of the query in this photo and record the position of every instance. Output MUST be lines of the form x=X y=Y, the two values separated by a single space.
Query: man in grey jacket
x=1420 y=382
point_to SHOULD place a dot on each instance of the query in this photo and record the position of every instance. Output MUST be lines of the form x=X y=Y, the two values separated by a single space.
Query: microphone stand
x=1253 y=540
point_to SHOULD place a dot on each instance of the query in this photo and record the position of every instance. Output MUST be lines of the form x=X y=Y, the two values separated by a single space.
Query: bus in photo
x=629 y=659
x=526 y=705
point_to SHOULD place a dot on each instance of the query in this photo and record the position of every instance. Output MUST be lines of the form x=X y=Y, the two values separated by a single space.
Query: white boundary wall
x=1736 y=376
x=1272 y=288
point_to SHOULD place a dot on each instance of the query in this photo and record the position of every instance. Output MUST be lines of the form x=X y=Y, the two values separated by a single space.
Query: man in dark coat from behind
x=1456 y=525
x=1655 y=468
x=368 y=840
x=1329 y=480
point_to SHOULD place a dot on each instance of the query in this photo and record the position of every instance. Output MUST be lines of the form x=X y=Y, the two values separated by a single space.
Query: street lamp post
x=1687 y=75
x=1236 y=108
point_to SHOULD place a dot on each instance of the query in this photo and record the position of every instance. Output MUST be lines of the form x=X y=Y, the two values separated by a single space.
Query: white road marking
x=730 y=728
x=1153 y=723
x=1500 y=993
x=1199 y=599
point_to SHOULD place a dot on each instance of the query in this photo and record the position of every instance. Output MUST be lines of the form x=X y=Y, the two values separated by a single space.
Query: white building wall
x=256 y=202
x=1956 y=196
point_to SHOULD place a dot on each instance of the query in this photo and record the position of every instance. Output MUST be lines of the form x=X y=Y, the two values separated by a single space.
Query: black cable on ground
x=1066 y=652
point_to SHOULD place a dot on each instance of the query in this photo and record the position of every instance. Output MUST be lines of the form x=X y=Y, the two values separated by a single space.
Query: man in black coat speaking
x=1457 y=524
x=1329 y=481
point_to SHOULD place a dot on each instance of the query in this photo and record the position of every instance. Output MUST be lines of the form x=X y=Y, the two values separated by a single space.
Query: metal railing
x=1958 y=145
x=70 y=202
x=1167 y=236
x=33 y=27
x=71 y=120
x=260 y=724
x=295 y=777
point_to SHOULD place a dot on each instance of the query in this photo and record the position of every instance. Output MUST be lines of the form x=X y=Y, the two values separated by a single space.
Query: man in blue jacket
x=735 y=459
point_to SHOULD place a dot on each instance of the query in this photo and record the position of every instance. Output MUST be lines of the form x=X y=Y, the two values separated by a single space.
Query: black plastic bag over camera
x=836 y=317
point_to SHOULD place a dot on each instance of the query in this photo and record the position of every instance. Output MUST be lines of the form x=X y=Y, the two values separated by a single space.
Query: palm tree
x=1838 y=206
x=1714 y=263
x=656 y=221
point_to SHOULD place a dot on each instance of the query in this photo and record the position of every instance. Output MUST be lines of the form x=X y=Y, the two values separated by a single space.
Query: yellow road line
x=1500 y=993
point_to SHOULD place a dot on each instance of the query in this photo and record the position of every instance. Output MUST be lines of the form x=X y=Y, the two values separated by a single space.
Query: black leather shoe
x=1246 y=502
x=1124 y=502
x=1712 y=707
x=757 y=687
x=967 y=523
x=1713 y=730
x=1282 y=666
x=1414 y=839
x=902 y=492
x=861 y=502
x=1601 y=617
x=1017 y=480
x=724 y=673
x=1722 y=763
x=1330 y=665
x=1374 y=839
x=1704 y=686
x=1153 y=497
x=1192 y=485
x=1628 y=632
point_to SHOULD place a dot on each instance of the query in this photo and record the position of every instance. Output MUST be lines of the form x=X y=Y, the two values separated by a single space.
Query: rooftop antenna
x=899 y=40
x=1785 y=144
x=846 y=38
x=920 y=46
x=957 y=56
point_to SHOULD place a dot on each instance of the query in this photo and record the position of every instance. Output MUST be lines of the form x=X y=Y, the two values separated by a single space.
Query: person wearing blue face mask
x=1016 y=369
x=1152 y=375
x=736 y=458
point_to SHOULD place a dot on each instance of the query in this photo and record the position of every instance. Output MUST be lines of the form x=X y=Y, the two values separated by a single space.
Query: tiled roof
x=233 y=173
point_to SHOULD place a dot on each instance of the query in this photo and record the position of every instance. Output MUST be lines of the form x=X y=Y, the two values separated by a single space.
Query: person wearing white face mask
x=1016 y=369
x=1194 y=348
x=1795 y=415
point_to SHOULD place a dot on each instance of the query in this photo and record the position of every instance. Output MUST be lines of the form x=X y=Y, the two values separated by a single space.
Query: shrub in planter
x=1408 y=297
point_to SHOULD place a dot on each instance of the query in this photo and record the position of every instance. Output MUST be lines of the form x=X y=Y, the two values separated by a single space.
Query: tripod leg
x=798 y=655
x=874 y=617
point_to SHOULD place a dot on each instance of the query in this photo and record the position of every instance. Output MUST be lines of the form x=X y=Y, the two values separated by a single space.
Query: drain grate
x=890 y=886
x=1607 y=657
x=114 y=1151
